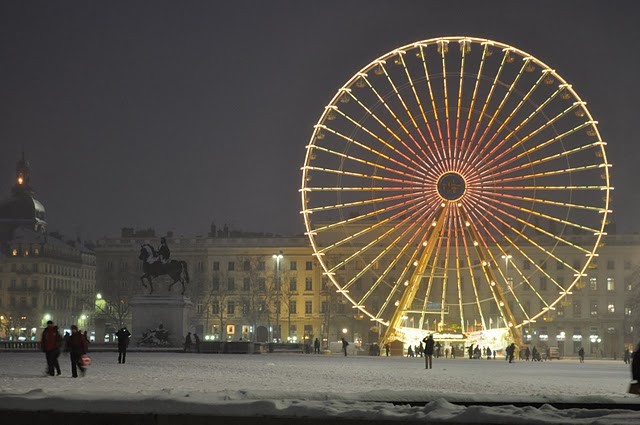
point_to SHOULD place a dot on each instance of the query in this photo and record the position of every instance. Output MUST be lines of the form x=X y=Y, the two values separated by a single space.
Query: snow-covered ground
x=322 y=386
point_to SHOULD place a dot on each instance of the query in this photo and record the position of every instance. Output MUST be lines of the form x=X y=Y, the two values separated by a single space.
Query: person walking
x=316 y=346
x=77 y=347
x=345 y=344
x=187 y=342
x=627 y=356
x=581 y=354
x=429 y=344
x=511 y=349
x=50 y=344
x=196 y=338
x=123 y=342
x=387 y=348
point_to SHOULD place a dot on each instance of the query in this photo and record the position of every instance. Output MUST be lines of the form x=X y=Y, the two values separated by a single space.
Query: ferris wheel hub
x=451 y=186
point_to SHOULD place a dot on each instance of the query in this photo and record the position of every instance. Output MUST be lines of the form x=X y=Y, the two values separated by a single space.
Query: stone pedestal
x=149 y=311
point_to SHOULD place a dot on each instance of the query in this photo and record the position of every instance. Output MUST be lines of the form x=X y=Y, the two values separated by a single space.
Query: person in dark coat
x=196 y=339
x=581 y=354
x=511 y=349
x=50 y=343
x=627 y=356
x=635 y=364
x=345 y=344
x=316 y=346
x=123 y=342
x=77 y=347
x=428 y=351
x=187 y=342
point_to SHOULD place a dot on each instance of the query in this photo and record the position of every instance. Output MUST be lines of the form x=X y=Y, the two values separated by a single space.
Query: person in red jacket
x=77 y=347
x=50 y=344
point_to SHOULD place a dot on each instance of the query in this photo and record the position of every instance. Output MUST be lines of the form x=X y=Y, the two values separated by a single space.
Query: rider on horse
x=163 y=251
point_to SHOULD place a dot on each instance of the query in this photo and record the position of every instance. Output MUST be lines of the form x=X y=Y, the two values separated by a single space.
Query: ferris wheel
x=455 y=183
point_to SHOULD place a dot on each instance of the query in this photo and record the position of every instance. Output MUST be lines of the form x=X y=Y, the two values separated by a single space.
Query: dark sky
x=174 y=114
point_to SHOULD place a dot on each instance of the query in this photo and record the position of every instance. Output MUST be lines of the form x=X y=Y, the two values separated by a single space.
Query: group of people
x=76 y=344
x=478 y=353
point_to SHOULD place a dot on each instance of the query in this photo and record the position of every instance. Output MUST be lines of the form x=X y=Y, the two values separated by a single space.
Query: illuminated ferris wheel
x=452 y=181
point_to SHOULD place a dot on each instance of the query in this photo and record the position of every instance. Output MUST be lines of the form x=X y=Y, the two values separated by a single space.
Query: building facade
x=42 y=276
x=272 y=289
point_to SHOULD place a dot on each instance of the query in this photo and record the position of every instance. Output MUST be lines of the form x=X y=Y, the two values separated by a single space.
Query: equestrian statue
x=158 y=263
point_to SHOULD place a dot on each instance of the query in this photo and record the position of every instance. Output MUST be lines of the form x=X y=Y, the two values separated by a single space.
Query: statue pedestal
x=149 y=311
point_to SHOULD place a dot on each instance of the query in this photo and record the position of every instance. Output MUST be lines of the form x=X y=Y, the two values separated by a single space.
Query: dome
x=22 y=210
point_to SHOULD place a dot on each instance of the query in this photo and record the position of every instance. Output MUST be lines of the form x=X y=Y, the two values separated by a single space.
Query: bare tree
x=217 y=299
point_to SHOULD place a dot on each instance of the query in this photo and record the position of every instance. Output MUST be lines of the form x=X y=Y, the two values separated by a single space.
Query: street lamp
x=277 y=257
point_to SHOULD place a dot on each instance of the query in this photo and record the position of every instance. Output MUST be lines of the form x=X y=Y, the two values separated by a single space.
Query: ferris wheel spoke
x=537 y=146
x=567 y=205
x=410 y=242
x=475 y=158
x=485 y=52
x=410 y=171
x=372 y=177
x=473 y=146
x=494 y=261
x=399 y=122
x=400 y=61
x=364 y=202
x=420 y=210
x=465 y=46
x=433 y=100
x=490 y=204
x=443 y=47
x=508 y=119
x=541 y=174
x=432 y=138
x=403 y=206
x=486 y=257
x=409 y=158
x=528 y=258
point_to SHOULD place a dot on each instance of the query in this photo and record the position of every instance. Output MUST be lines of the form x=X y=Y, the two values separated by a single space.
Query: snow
x=323 y=386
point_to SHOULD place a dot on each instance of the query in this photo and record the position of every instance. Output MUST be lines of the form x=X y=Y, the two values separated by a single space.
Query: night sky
x=174 y=114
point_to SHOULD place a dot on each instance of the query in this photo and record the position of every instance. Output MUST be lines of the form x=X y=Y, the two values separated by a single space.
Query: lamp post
x=277 y=257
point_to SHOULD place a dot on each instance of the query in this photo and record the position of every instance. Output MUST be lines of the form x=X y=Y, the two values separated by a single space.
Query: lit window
x=611 y=285
x=611 y=308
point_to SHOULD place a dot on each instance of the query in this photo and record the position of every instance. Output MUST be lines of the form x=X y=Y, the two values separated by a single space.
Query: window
x=593 y=283
x=628 y=284
x=293 y=265
x=246 y=284
x=611 y=308
x=309 y=265
x=199 y=308
x=293 y=332
x=216 y=266
x=627 y=265
x=543 y=283
x=308 y=307
x=231 y=266
x=261 y=284
x=611 y=285
x=292 y=307
x=199 y=266
x=293 y=283
x=560 y=310
x=262 y=265
x=627 y=310
x=245 y=309
x=324 y=307
x=577 y=309
x=231 y=307
x=215 y=284
x=246 y=265
x=231 y=284
x=340 y=308
x=594 y=309
x=325 y=283
x=278 y=306
x=611 y=264
x=308 y=284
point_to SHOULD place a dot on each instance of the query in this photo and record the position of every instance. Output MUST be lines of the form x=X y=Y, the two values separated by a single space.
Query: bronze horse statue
x=153 y=267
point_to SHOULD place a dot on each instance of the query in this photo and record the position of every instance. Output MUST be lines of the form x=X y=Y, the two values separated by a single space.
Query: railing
x=20 y=345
